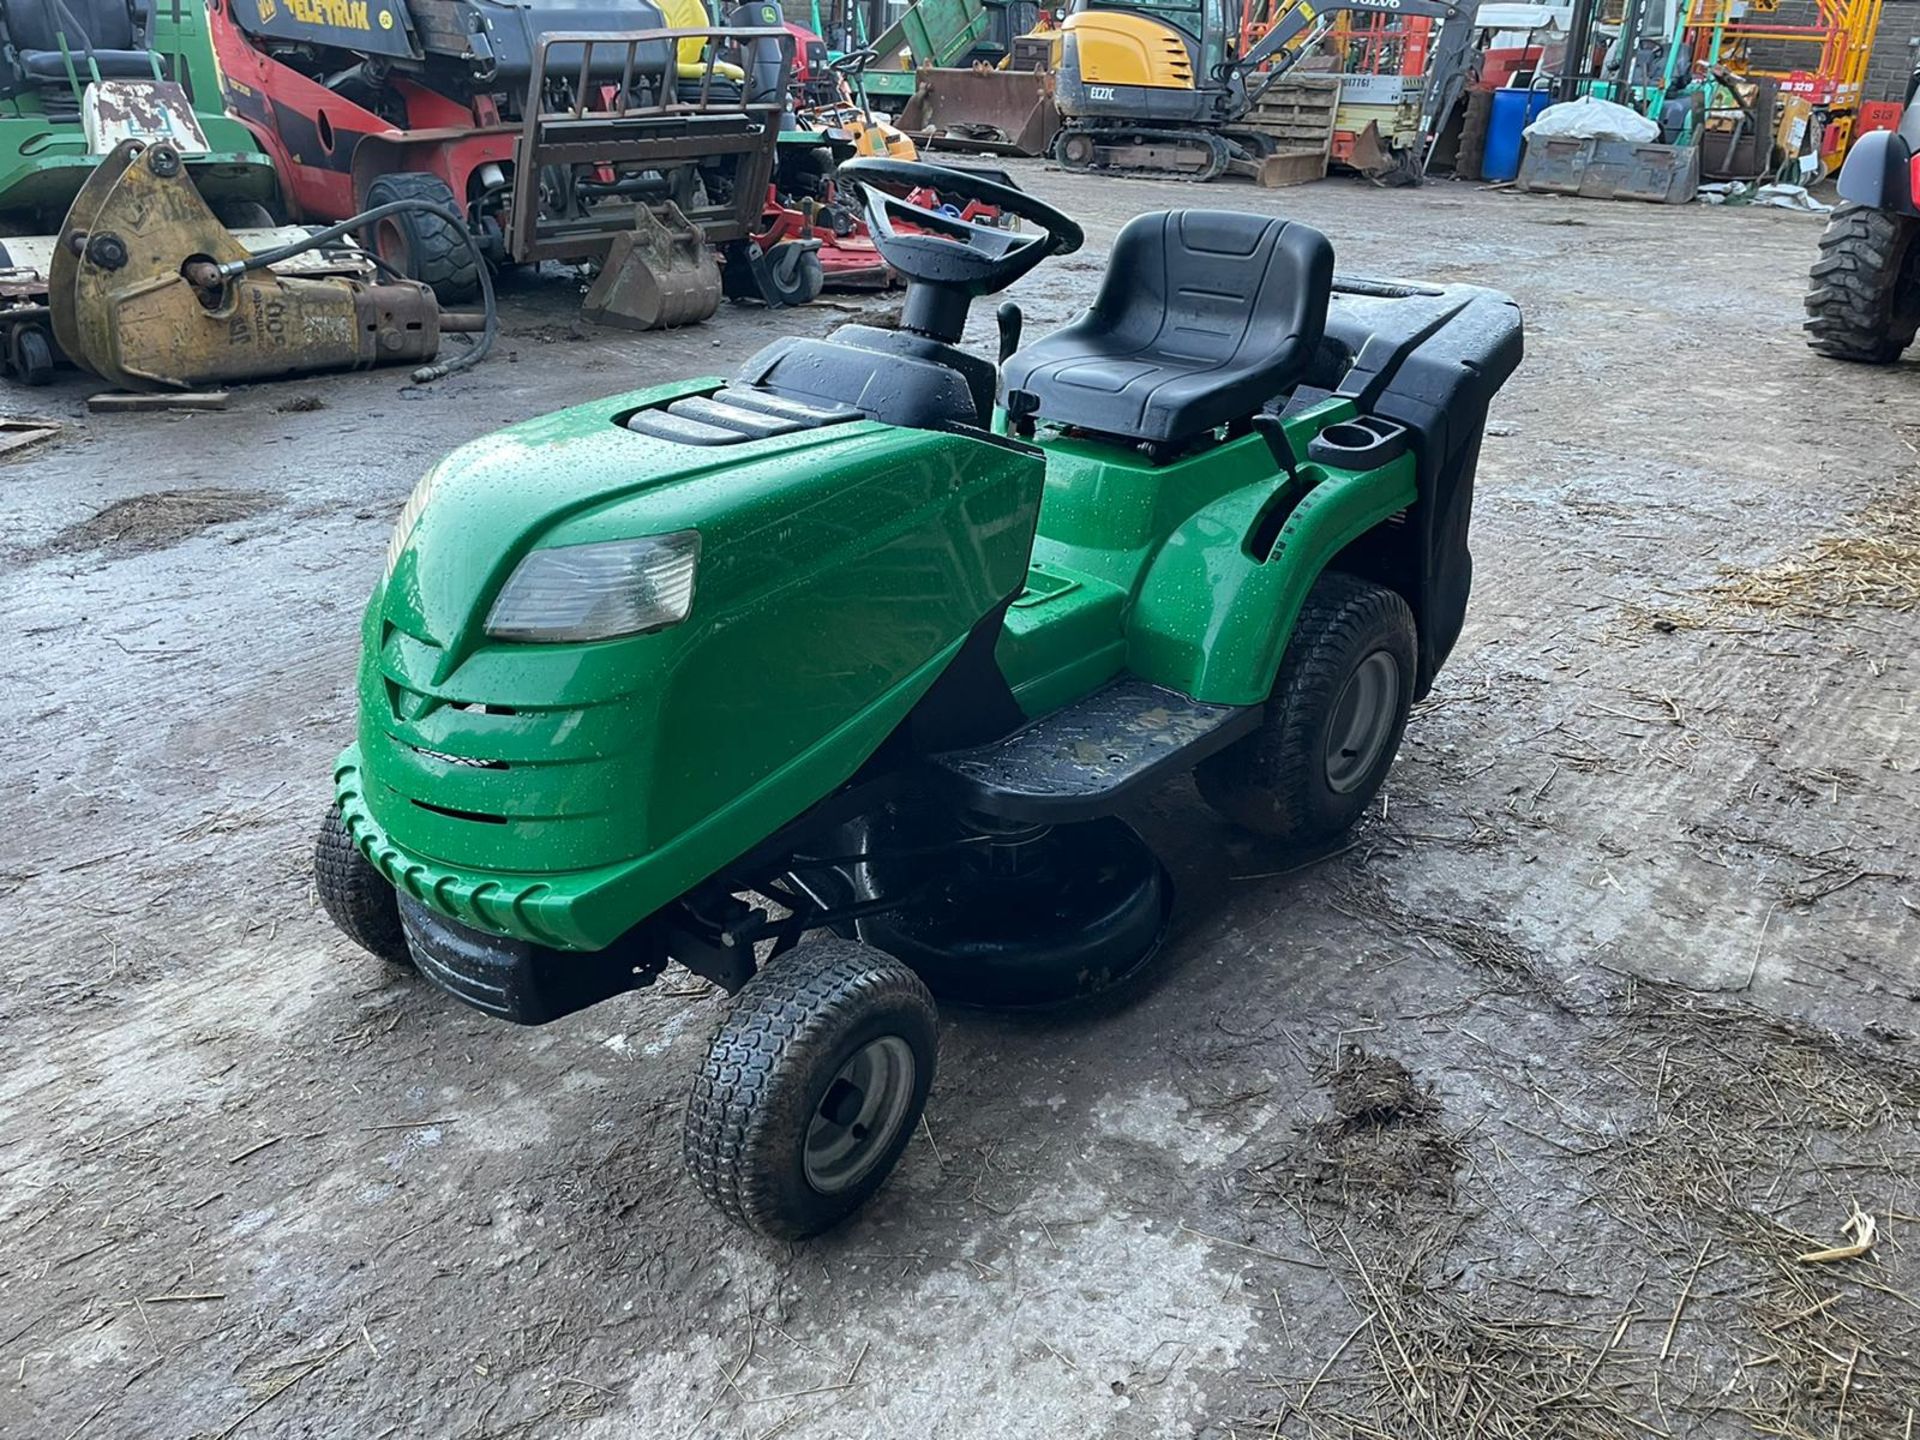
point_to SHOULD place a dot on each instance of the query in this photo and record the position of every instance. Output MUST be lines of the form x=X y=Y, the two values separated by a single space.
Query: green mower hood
x=557 y=788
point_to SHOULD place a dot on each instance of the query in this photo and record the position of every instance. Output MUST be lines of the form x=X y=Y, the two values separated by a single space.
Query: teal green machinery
x=76 y=78
x=870 y=643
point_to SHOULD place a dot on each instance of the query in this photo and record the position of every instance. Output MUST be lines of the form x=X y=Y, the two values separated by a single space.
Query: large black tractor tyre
x=1863 y=302
x=812 y=1088
x=423 y=246
x=357 y=897
x=1333 y=722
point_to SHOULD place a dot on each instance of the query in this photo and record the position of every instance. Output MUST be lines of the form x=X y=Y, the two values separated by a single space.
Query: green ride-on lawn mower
x=827 y=681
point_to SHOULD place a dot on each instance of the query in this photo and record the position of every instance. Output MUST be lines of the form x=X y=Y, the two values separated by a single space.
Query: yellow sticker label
x=268 y=10
x=386 y=19
x=341 y=14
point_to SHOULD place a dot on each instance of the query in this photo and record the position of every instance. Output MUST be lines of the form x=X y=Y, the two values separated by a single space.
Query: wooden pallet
x=1298 y=113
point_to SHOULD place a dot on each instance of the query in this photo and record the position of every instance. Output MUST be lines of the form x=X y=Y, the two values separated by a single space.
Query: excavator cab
x=1155 y=86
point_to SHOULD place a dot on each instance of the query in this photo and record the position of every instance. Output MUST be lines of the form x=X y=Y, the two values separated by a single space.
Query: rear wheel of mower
x=419 y=245
x=1333 y=723
x=811 y=1090
x=357 y=897
x=1864 y=300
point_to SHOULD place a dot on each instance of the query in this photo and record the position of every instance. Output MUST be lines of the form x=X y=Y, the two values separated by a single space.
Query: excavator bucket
x=657 y=275
x=135 y=294
x=1002 y=112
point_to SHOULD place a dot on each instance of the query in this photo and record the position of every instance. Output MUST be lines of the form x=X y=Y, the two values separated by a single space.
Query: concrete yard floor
x=1510 y=1119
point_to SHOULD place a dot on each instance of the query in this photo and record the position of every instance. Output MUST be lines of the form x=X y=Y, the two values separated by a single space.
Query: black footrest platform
x=1084 y=760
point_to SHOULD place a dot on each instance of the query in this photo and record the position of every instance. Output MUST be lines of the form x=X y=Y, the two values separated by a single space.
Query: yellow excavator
x=1155 y=86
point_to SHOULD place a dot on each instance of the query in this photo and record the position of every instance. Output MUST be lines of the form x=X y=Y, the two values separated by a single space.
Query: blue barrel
x=1513 y=110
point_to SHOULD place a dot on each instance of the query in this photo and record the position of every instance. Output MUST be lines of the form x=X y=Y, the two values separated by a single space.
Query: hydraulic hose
x=426 y=374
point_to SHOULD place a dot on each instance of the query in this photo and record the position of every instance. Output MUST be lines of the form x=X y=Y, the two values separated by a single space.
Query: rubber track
x=1855 y=308
x=1252 y=787
x=1177 y=137
x=792 y=1006
x=355 y=896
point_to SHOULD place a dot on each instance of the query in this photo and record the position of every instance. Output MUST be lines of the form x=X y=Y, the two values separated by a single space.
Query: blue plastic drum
x=1513 y=110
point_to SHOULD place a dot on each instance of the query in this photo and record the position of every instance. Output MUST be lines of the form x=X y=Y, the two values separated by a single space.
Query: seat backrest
x=87 y=24
x=1218 y=287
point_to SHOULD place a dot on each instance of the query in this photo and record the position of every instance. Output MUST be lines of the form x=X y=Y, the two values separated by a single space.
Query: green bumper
x=567 y=911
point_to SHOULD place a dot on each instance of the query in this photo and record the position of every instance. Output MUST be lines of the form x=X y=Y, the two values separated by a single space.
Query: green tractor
x=827 y=681
x=76 y=78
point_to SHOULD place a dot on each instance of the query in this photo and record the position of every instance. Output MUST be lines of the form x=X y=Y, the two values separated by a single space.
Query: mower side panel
x=841 y=569
x=1151 y=569
x=1214 y=617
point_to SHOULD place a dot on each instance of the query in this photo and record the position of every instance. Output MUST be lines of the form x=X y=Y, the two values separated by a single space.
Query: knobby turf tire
x=1863 y=302
x=790 y=1029
x=1274 y=781
x=357 y=897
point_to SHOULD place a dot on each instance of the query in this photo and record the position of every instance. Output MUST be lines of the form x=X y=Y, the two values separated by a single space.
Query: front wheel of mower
x=811 y=1090
x=1333 y=723
x=420 y=245
x=357 y=897
x=1863 y=300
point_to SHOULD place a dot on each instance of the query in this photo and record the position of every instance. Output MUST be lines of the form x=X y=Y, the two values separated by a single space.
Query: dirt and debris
x=153 y=522
x=1623 y=966
x=1381 y=1155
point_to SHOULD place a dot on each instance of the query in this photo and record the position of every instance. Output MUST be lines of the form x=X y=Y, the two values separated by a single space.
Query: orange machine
x=1824 y=64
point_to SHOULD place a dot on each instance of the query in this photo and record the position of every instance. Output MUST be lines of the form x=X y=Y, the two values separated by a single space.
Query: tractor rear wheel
x=423 y=246
x=812 y=1088
x=357 y=897
x=1333 y=723
x=1864 y=300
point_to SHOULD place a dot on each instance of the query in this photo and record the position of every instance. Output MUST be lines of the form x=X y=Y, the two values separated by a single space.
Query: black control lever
x=1271 y=429
x=1010 y=320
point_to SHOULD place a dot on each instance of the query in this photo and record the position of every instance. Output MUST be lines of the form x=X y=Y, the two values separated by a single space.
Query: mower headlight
x=409 y=517
x=598 y=591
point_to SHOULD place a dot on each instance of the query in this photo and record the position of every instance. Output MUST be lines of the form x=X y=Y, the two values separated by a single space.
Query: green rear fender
x=1213 y=617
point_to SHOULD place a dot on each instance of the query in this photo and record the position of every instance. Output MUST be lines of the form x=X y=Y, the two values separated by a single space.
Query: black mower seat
x=111 y=33
x=1203 y=317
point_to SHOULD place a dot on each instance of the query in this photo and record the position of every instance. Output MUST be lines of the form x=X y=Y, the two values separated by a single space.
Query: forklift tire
x=1864 y=301
x=812 y=1088
x=1333 y=723
x=357 y=897
x=420 y=246
x=32 y=356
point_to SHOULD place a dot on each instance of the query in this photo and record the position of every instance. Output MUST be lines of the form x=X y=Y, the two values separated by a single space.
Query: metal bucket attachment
x=657 y=275
x=1612 y=170
x=1001 y=112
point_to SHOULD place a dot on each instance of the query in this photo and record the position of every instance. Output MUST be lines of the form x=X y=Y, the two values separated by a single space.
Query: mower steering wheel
x=943 y=251
x=853 y=62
